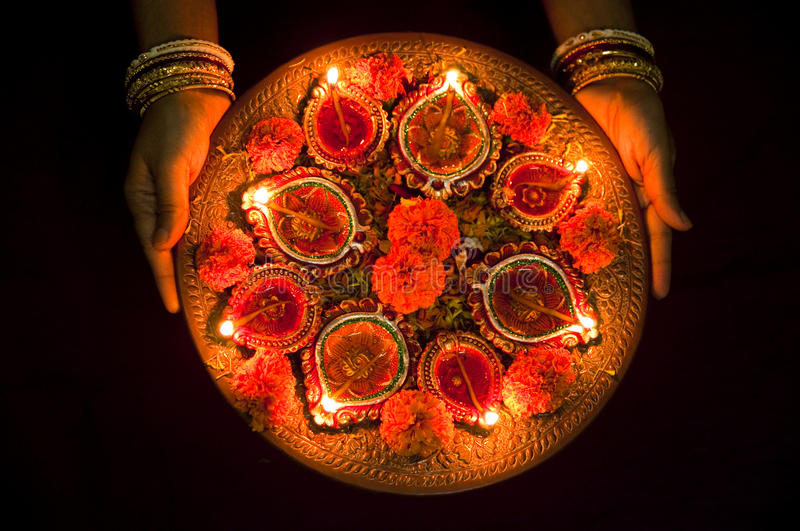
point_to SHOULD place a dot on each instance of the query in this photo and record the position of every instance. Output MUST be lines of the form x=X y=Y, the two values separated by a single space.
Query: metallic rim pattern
x=619 y=291
x=519 y=219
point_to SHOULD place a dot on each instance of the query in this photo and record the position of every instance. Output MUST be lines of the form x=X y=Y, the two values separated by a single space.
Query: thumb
x=172 y=208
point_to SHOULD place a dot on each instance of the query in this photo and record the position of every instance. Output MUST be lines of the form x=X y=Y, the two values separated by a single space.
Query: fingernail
x=686 y=219
x=160 y=237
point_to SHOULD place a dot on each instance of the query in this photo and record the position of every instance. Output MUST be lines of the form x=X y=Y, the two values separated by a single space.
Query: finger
x=140 y=195
x=659 y=183
x=660 y=252
x=172 y=195
x=164 y=273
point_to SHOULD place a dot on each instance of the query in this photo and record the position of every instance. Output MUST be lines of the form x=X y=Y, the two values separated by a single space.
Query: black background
x=111 y=421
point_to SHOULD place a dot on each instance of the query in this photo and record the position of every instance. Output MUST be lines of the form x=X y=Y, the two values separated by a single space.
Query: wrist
x=207 y=105
x=616 y=85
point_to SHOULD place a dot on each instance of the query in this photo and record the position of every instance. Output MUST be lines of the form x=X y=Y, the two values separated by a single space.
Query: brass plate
x=619 y=291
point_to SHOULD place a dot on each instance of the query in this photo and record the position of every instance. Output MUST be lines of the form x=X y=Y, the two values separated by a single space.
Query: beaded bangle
x=185 y=45
x=160 y=60
x=201 y=85
x=600 y=45
x=597 y=34
x=614 y=66
x=150 y=78
x=604 y=54
x=175 y=66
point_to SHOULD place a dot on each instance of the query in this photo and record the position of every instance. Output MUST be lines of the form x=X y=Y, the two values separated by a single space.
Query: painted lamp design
x=344 y=127
x=465 y=372
x=534 y=191
x=303 y=215
x=359 y=359
x=528 y=297
x=275 y=309
x=444 y=144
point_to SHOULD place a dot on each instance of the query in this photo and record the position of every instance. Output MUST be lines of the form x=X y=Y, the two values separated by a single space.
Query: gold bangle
x=179 y=82
x=181 y=88
x=184 y=45
x=598 y=56
x=175 y=66
x=581 y=39
x=154 y=75
x=600 y=46
x=133 y=73
x=610 y=66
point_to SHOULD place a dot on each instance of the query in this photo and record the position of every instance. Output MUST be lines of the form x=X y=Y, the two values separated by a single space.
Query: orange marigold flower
x=407 y=280
x=380 y=76
x=274 y=144
x=263 y=386
x=224 y=258
x=515 y=118
x=538 y=381
x=416 y=423
x=590 y=236
x=426 y=226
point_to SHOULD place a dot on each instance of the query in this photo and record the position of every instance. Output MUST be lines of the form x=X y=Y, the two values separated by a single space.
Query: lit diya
x=304 y=215
x=360 y=358
x=534 y=191
x=529 y=296
x=276 y=309
x=344 y=127
x=465 y=372
x=444 y=143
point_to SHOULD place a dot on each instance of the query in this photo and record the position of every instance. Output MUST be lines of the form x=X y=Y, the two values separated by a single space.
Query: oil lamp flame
x=452 y=78
x=226 y=328
x=581 y=166
x=333 y=75
x=261 y=196
x=329 y=404
x=587 y=322
x=490 y=418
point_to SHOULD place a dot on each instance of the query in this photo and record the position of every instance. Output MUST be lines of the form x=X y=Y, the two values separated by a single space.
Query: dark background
x=111 y=421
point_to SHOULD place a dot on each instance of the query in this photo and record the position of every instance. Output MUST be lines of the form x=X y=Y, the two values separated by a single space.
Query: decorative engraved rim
x=376 y=398
x=309 y=322
x=317 y=390
x=378 y=119
x=328 y=258
x=619 y=291
x=577 y=300
x=427 y=380
x=569 y=195
x=402 y=138
x=463 y=181
x=360 y=239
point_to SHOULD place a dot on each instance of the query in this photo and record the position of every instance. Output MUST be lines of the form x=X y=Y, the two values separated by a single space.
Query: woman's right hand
x=167 y=156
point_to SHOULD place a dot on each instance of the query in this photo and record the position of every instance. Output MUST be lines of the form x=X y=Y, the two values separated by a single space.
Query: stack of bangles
x=176 y=66
x=602 y=54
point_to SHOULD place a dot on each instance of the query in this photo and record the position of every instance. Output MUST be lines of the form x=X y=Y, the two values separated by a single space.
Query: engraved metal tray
x=618 y=292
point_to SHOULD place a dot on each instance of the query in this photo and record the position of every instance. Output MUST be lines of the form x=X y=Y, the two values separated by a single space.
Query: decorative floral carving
x=361 y=457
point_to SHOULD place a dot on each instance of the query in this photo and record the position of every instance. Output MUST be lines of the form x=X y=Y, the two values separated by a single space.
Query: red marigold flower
x=426 y=226
x=416 y=423
x=538 y=381
x=590 y=236
x=224 y=257
x=274 y=144
x=407 y=280
x=515 y=118
x=380 y=76
x=263 y=386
